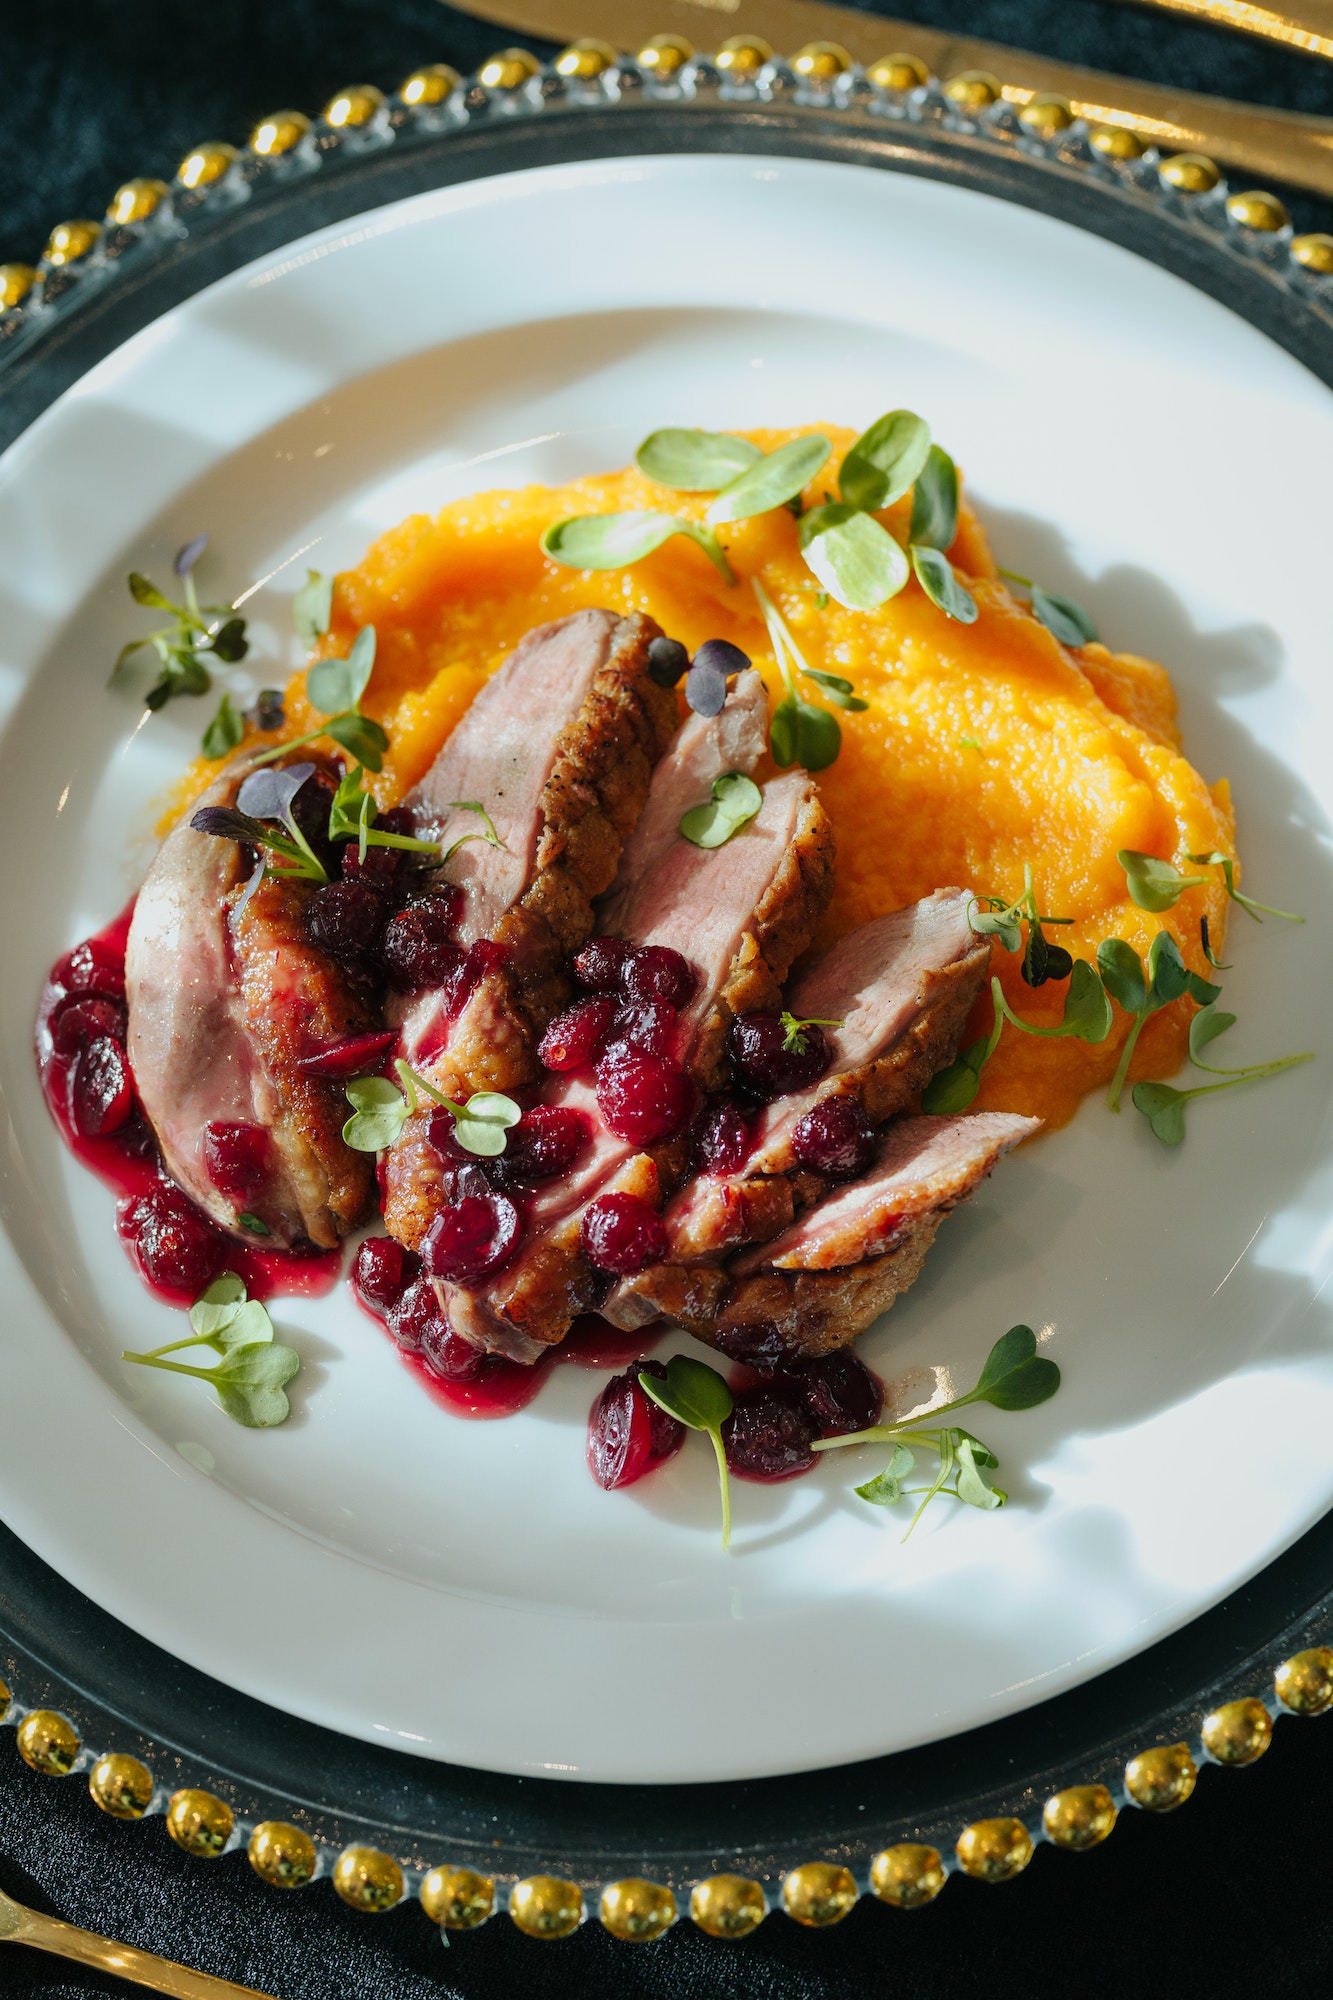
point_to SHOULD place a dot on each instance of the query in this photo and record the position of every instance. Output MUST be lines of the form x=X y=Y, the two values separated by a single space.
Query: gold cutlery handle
x=1270 y=145
x=143 y=1967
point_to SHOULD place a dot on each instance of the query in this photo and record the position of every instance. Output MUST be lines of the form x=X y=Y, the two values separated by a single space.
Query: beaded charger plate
x=351 y=1630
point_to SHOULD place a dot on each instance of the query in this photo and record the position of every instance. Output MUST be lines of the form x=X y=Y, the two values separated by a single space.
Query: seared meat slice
x=559 y=748
x=222 y=1008
x=901 y=987
x=740 y=913
x=823 y=1281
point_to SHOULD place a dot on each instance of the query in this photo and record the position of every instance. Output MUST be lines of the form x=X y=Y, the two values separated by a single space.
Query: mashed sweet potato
x=984 y=747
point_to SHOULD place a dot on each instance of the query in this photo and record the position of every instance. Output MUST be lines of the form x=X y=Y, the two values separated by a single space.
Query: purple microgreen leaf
x=188 y=556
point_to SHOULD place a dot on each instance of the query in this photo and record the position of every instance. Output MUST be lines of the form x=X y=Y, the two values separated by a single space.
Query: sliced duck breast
x=823 y=1281
x=226 y=997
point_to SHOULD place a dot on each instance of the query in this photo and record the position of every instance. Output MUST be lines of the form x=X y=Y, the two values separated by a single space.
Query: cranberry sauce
x=628 y=1433
x=779 y=1412
x=89 y=1090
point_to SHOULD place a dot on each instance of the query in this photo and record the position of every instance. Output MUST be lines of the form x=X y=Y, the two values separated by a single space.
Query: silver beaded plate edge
x=992 y=1836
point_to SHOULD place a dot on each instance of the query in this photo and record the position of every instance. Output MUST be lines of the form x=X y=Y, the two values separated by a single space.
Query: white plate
x=464 y=1591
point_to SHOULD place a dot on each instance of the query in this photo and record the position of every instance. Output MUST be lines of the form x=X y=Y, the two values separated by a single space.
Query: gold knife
x=1311 y=29
x=1271 y=145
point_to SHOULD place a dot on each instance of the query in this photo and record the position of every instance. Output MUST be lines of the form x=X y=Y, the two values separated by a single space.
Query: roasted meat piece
x=823 y=1281
x=224 y=1002
x=559 y=748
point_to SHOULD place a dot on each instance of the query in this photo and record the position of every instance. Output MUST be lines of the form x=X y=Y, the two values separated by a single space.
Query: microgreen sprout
x=1087 y=1017
x=224 y=732
x=195 y=632
x=312 y=607
x=1164 y=1107
x=1068 y=621
x=1041 y=960
x=353 y=813
x=800 y=732
x=794 y=1037
x=934 y=525
x=334 y=689
x=1205 y=942
x=380 y=1111
x=1142 y=994
x=249 y=1379
x=733 y=804
x=1247 y=903
x=617 y=541
x=1014 y=1377
x=264 y=797
x=696 y=1396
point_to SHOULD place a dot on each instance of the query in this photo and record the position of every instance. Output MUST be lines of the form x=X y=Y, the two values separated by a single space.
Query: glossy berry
x=414 y=1314
x=470 y=1240
x=574 y=1037
x=176 y=1246
x=667 y=661
x=235 y=1157
x=655 y=972
x=723 y=1138
x=768 y=1434
x=836 y=1137
x=479 y=959
x=310 y=810
x=628 y=1433
x=839 y=1393
x=622 y=1233
x=83 y=1017
x=383 y=866
x=598 y=965
x=93 y=968
x=545 y=1142
x=465 y=1177
x=346 y=919
x=757 y=1342
x=449 y=1356
x=642 y=1028
x=644 y=1098
x=354 y=1055
x=766 y=1067
x=101 y=1094
x=381 y=1272
x=418 y=947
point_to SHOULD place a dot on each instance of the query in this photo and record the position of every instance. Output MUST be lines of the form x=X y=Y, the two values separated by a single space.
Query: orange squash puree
x=984 y=747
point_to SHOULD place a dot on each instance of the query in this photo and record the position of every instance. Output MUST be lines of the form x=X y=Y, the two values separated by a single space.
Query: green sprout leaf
x=935 y=502
x=1164 y=1109
x=697 y=1397
x=771 y=481
x=146 y=593
x=885 y=461
x=886 y=1488
x=1014 y=1376
x=1154 y=885
x=1001 y=920
x=952 y=1089
x=617 y=541
x=1087 y=1012
x=379 y=1113
x=1141 y=994
x=735 y=801
x=485 y=832
x=361 y=737
x=312 y=607
x=1208 y=952
x=970 y=1486
x=224 y=732
x=854 y=557
x=794 y=1037
x=695 y=461
x=1206 y=1026
x=249 y=1379
x=802 y=734
x=194 y=630
x=838 y=689
x=935 y=574
x=333 y=686
x=1068 y=621
x=1247 y=903
x=481 y=1124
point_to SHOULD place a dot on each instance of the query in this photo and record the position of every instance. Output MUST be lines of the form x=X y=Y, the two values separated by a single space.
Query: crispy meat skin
x=847 y=1260
x=763 y=894
x=563 y=818
x=220 y=1011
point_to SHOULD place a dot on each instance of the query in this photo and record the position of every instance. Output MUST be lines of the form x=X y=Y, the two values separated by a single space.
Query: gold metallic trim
x=434 y=83
x=136 y=200
x=1257 y=210
x=994 y=1850
x=1046 y=116
x=16 y=281
x=546 y=1906
x=665 y=55
x=199 y=1823
x=1304 y=1683
x=1238 y=1732
x=1117 y=142
x=368 y=1880
x=509 y=70
x=1162 y=1778
x=584 y=61
x=1079 y=1818
x=819 y=1893
x=70 y=241
x=1314 y=253
x=899 y=74
x=1311 y=28
x=206 y=164
x=1189 y=173
x=743 y=56
x=458 y=1899
x=728 y=1906
x=636 y=1911
x=280 y=133
x=282 y=1855
x=353 y=108
x=47 y=1743
x=821 y=62
x=121 y=1786
x=973 y=90
x=908 y=1875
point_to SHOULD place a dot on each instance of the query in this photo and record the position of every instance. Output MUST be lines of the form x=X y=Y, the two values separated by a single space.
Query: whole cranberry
x=418 y=947
x=574 y=1037
x=346 y=919
x=470 y=1240
x=644 y=1098
x=598 y=965
x=465 y=1177
x=101 y=1093
x=622 y=1233
x=379 y=870
x=354 y=1055
x=765 y=1065
x=642 y=1028
x=628 y=1433
x=82 y=1017
x=381 y=1272
x=723 y=1138
x=668 y=1432
x=176 y=1246
x=235 y=1157
x=92 y=967
x=414 y=1315
x=655 y=972
x=479 y=959
x=759 y=1343
x=836 y=1137
x=448 y=1355
x=839 y=1393
x=545 y=1142
x=310 y=810
x=768 y=1434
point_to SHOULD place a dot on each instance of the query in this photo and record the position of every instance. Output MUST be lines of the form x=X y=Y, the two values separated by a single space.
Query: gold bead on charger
x=1160 y=1779
x=206 y=164
x=368 y=1880
x=47 y=1743
x=584 y=61
x=899 y=73
x=728 y=1906
x=819 y=1893
x=200 y=1823
x=282 y=1855
x=1116 y=142
x=458 y=1899
x=908 y=1875
x=1314 y=253
x=1080 y=1817
x=435 y=83
x=279 y=134
x=16 y=281
x=1304 y=1683
x=740 y=58
x=509 y=70
x=545 y=1906
x=821 y=62
x=994 y=1850
x=1238 y=1732
x=1046 y=116
x=69 y=241
x=121 y=1786
x=136 y=200
x=637 y=1911
x=664 y=55
x=1189 y=174
x=353 y=108
x=1256 y=209
x=973 y=90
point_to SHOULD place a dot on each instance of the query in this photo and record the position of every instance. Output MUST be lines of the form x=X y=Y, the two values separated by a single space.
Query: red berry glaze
x=655 y=972
x=545 y=1142
x=418 y=946
x=93 y=967
x=723 y=1138
x=81 y=1018
x=642 y=1028
x=836 y=1137
x=235 y=1157
x=628 y=1433
x=622 y=1233
x=598 y=965
x=839 y=1392
x=574 y=1037
x=355 y=1055
x=471 y=1239
x=381 y=1272
x=449 y=1356
x=644 y=1098
x=346 y=920
x=101 y=1093
x=174 y=1244
x=768 y=1434
x=766 y=1067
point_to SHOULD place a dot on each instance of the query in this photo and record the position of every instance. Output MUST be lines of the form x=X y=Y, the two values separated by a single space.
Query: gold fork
x=20 y=1925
